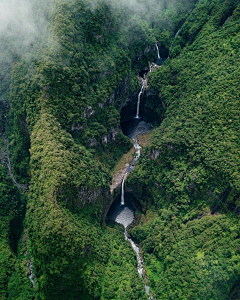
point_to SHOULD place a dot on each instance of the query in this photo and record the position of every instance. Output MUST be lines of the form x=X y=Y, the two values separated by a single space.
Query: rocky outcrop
x=119 y=92
x=111 y=136
x=154 y=154
x=76 y=127
x=4 y=156
x=149 y=100
x=88 y=112
x=101 y=196
x=92 y=142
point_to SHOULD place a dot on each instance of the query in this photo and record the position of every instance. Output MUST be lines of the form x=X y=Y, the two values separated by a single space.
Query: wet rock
x=118 y=177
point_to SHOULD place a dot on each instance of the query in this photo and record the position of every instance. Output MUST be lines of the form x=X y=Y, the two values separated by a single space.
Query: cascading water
x=139 y=99
x=158 y=54
x=170 y=49
x=31 y=276
x=225 y=21
x=122 y=194
x=122 y=214
x=4 y=156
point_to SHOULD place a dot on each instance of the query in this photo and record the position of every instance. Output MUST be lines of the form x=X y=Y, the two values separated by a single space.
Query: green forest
x=69 y=69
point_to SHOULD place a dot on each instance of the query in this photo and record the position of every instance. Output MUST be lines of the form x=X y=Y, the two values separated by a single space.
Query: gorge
x=119 y=162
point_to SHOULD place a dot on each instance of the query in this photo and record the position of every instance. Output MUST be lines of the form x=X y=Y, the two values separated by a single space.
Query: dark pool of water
x=133 y=127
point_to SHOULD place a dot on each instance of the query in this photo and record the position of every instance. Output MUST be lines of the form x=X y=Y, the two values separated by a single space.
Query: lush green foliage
x=65 y=102
x=68 y=243
x=14 y=283
x=192 y=166
x=121 y=281
x=198 y=258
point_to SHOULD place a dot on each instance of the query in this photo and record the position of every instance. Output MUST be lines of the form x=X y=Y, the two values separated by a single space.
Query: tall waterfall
x=125 y=215
x=158 y=54
x=122 y=194
x=131 y=167
x=139 y=99
x=170 y=49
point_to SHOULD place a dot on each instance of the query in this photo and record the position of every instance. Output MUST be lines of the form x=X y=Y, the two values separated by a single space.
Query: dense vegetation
x=190 y=173
x=66 y=89
x=14 y=283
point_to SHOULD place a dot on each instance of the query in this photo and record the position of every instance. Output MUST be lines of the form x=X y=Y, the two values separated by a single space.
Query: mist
x=25 y=26
x=23 y=30
x=16 y=17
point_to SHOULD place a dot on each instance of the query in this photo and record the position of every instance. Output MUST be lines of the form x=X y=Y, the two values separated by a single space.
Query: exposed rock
x=101 y=105
x=88 y=112
x=154 y=67
x=108 y=138
x=4 y=156
x=118 y=178
x=76 y=127
x=92 y=141
x=99 y=37
x=119 y=92
x=154 y=155
x=169 y=146
x=101 y=196
x=152 y=96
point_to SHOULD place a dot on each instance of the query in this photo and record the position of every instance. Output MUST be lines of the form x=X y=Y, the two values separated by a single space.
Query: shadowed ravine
x=121 y=211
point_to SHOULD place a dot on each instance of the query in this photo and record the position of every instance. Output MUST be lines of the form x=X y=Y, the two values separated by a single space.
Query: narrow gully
x=123 y=214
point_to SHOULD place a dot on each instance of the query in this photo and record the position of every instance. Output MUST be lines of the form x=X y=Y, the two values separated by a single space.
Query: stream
x=4 y=156
x=5 y=160
x=122 y=212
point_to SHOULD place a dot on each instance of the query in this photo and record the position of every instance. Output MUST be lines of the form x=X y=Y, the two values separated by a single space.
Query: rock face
x=154 y=155
x=147 y=112
x=119 y=92
x=92 y=142
x=88 y=112
x=76 y=127
x=111 y=136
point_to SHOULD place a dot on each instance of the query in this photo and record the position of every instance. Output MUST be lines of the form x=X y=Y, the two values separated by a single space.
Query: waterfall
x=123 y=214
x=137 y=251
x=122 y=195
x=225 y=21
x=170 y=49
x=4 y=156
x=31 y=276
x=138 y=152
x=158 y=54
x=177 y=33
x=139 y=99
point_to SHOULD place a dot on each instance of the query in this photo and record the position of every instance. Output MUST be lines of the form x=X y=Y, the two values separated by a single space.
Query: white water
x=137 y=251
x=139 y=99
x=123 y=214
x=225 y=21
x=4 y=156
x=158 y=54
x=122 y=194
x=31 y=276
x=170 y=49
x=177 y=33
x=125 y=217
